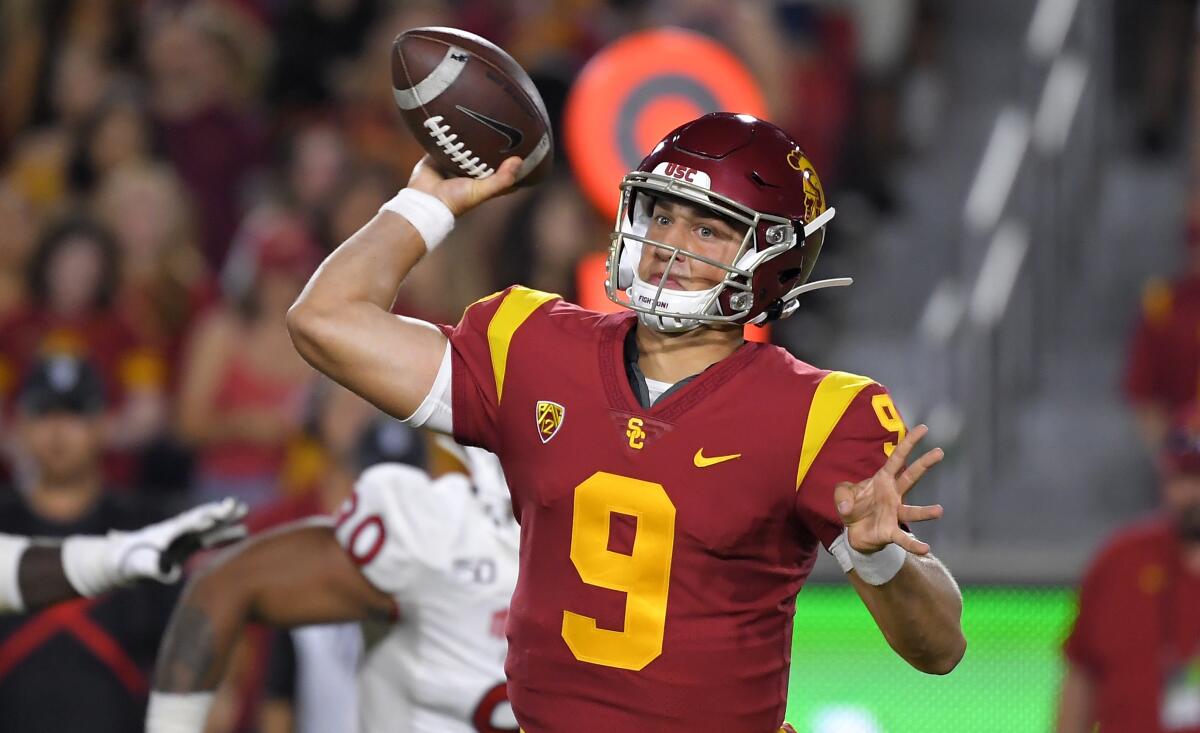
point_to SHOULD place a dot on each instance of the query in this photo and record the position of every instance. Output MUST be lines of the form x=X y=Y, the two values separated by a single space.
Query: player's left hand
x=159 y=550
x=872 y=510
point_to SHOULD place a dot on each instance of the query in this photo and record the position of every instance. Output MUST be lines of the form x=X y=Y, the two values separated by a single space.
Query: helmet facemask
x=730 y=301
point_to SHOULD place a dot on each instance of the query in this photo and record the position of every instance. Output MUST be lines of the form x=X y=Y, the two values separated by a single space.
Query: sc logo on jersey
x=549 y=419
x=635 y=433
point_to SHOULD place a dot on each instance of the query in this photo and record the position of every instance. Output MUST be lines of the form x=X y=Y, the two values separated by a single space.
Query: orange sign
x=638 y=89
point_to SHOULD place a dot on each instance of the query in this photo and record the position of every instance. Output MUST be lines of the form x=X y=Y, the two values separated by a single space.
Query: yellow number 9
x=644 y=575
x=889 y=418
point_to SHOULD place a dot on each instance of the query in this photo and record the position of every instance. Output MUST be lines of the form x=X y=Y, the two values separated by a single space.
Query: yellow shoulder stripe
x=831 y=400
x=515 y=309
x=1157 y=301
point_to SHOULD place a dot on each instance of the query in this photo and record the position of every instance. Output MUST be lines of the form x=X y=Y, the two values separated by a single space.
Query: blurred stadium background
x=1009 y=177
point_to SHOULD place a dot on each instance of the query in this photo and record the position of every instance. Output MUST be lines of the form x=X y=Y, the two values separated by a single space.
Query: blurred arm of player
x=1075 y=702
x=342 y=322
x=37 y=573
x=294 y=576
x=919 y=610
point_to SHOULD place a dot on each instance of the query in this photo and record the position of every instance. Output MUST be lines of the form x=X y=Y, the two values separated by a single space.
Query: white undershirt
x=434 y=412
x=656 y=388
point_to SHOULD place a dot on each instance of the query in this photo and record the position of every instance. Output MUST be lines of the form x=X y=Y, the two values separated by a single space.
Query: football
x=470 y=104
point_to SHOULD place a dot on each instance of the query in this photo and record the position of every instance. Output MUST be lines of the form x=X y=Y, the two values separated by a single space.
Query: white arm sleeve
x=434 y=412
x=11 y=549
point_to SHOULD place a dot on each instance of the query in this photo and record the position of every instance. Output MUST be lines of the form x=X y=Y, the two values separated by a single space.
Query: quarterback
x=672 y=481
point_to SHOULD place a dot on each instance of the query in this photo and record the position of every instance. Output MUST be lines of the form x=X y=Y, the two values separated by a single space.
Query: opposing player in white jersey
x=436 y=556
x=449 y=558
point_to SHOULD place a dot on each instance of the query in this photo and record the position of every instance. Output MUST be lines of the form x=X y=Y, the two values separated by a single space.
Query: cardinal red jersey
x=1137 y=634
x=661 y=548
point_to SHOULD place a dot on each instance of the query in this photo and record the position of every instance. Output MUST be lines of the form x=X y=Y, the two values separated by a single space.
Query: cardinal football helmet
x=743 y=169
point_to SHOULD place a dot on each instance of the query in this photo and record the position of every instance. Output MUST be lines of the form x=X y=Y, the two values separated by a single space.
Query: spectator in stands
x=1133 y=656
x=313 y=40
x=1162 y=370
x=199 y=69
x=73 y=279
x=81 y=666
x=363 y=93
x=117 y=133
x=359 y=196
x=164 y=280
x=17 y=239
x=41 y=156
x=317 y=166
x=546 y=236
x=244 y=388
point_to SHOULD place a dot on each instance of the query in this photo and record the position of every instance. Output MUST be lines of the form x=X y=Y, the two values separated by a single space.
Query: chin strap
x=791 y=298
x=833 y=282
x=815 y=225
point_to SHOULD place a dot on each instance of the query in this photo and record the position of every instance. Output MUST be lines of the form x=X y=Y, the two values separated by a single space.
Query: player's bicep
x=389 y=360
x=298 y=575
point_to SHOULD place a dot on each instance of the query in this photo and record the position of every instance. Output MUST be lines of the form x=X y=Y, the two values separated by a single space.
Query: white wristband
x=432 y=219
x=876 y=568
x=172 y=712
x=87 y=563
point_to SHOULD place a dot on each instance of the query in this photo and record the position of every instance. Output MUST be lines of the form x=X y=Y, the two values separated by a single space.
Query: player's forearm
x=295 y=576
x=1075 y=703
x=366 y=270
x=920 y=614
x=42 y=580
x=31 y=575
x=201 y=634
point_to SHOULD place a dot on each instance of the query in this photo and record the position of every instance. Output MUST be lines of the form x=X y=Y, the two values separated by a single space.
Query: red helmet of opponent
x=745 y=170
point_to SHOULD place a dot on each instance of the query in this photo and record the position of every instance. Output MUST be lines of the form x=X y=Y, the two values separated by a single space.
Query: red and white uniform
x=450 y=562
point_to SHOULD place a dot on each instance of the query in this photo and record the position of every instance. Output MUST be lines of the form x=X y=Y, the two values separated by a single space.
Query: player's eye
x=705 y=232
x=662 y=220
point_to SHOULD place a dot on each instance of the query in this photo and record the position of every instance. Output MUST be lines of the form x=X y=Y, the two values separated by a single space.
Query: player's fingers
x=504 y=177
x=912 y=544
x=424 y=170
x=917 y=469
x=908 y=513
x=843 y=499
x=895 y=462
x=224 y=536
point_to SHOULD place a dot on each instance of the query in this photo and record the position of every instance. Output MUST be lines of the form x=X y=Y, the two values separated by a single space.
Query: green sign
x=845 y=678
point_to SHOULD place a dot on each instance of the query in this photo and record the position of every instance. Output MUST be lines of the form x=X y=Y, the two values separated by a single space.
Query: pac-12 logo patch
x=549 y=419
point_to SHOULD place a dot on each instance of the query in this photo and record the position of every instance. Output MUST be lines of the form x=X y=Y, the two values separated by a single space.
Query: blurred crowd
x=172 y=172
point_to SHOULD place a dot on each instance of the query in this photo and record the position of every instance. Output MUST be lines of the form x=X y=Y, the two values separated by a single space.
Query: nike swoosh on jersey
x=514 y=135
x=703 y=461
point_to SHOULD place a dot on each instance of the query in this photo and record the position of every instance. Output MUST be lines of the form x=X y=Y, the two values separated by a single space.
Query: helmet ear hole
x=790 y=274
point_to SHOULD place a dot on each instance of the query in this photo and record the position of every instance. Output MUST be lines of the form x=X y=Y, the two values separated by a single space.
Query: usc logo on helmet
x=814 y=193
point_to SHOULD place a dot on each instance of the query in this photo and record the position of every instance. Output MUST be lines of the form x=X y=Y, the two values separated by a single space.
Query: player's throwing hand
x=872 y=510
x=460 y=194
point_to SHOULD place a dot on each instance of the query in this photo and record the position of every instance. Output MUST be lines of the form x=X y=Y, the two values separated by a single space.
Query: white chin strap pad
x=631 y=250
x=681 y=302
